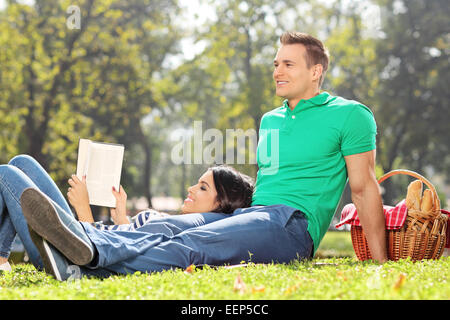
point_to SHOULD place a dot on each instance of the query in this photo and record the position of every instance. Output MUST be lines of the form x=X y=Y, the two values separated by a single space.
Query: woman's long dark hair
x=234 y=189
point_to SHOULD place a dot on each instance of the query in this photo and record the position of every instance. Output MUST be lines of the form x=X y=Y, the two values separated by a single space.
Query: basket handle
x=417 y=176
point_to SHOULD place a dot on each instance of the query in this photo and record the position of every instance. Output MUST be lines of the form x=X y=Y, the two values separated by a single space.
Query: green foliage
x=412 y=106
x=97 y=82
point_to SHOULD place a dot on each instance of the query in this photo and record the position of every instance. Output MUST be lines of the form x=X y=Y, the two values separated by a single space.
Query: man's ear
x=317 y=71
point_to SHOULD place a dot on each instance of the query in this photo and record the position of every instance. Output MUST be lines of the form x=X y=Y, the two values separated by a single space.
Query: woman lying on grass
x=220 y=189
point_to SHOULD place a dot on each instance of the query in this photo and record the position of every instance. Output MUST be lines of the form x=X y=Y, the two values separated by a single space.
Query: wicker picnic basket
x=422 y=236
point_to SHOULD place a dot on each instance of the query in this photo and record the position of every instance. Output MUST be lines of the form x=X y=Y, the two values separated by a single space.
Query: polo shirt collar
x=318 y=100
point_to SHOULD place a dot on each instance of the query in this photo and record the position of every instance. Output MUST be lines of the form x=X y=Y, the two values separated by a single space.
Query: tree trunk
x=146 y=182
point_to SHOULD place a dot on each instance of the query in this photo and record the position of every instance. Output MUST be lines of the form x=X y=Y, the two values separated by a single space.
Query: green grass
x=320 y=278
x=336 y=245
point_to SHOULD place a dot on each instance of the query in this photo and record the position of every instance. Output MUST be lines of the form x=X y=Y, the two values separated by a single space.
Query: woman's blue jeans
x=22 y=172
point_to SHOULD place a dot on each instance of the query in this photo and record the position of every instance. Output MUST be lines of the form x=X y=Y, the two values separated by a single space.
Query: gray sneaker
x=56 y=226
x=5 y=267
x=54 y=262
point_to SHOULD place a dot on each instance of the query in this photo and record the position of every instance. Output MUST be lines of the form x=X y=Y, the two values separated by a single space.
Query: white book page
x=103 y=169
x=83 y=148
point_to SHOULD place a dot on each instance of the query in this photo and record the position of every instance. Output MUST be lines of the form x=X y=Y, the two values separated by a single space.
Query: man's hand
x=79 y=198
x=119 y=213
x=367 y=198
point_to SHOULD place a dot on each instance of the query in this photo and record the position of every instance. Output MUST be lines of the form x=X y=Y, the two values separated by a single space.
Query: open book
x=102 y=165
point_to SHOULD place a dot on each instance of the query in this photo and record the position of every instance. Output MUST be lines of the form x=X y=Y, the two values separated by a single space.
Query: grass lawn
x=324 y=277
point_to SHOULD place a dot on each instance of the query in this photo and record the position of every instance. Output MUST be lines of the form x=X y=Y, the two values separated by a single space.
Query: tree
x=243 y=40
x=96 y=81
x=413 y=67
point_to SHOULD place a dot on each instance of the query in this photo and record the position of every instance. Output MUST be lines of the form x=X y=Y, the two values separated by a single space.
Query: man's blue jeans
x=20 y=173
x=260 y=234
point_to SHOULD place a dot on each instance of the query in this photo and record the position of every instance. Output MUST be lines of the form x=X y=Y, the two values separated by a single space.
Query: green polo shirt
x=301 y=153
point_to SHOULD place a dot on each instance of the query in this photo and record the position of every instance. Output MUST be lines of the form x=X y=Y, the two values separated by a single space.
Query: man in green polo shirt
x=310 y=145
x=308 y=149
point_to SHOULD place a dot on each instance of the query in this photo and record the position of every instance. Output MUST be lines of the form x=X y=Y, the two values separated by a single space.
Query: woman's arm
x=119 y=213
x=79 y=198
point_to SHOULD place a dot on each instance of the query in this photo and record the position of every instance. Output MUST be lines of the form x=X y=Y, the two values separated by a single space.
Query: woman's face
x=202 y=197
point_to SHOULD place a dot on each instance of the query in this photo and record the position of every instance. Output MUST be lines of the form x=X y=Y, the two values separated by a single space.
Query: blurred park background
x=140 y=72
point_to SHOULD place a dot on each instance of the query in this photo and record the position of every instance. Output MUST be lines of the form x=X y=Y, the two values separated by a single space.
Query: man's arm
x=366 y=196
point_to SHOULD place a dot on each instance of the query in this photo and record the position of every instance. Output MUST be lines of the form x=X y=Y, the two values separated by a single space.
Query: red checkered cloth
x=395 y=217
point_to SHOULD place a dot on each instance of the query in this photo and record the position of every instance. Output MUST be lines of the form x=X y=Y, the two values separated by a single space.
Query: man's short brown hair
x=316 y=53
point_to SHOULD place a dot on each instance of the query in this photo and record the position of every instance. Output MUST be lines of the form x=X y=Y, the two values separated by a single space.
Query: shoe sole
x=43 y=218
x=46 y=254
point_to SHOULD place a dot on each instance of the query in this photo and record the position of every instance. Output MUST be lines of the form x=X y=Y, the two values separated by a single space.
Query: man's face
x=292 y=77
